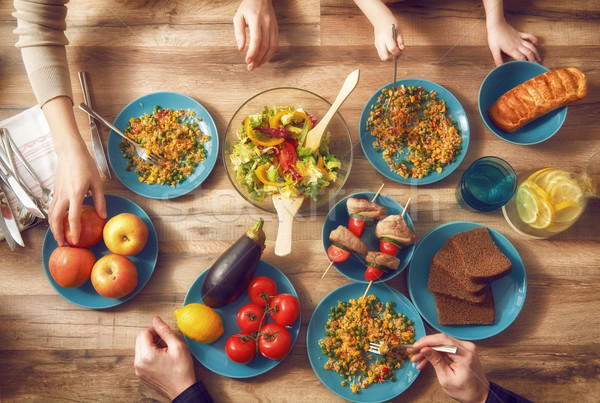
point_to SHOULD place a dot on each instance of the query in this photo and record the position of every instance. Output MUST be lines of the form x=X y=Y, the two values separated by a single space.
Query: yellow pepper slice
x=321 y=166
x=261 y=174
x=275 y=120
x=266 y=143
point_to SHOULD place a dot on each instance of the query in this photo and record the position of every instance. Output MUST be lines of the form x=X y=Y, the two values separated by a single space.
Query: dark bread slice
x=440 y=282
x=452 y=311
x=481 y=258
x=447 y=259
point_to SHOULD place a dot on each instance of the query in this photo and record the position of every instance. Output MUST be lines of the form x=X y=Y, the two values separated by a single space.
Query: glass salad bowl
x=311 y=106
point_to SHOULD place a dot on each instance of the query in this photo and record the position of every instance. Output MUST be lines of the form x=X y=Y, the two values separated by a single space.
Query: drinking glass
x=486 y=185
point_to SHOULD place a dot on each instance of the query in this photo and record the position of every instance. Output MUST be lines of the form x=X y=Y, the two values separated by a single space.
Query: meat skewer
x=343 y=242
x=394 y=233
x=362 y=213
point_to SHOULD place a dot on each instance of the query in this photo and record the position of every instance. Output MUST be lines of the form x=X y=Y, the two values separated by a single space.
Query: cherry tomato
x=388 y=247
x=241 y=348
x=336 y=254
x=250 y=317
x=274 y=341
x=287 y=156
x=261 y=287
x=372 y=273
x=284 y=309
x=357 y=226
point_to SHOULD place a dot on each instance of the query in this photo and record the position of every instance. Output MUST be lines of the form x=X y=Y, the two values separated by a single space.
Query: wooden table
x=52 y=350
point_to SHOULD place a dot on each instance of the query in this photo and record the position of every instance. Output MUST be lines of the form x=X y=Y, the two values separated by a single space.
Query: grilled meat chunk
x=365 y=208
x=382 y=259
x=346 y=238
x=395 y=228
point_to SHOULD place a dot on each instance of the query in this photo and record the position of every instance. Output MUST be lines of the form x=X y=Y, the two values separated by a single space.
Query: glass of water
x=486 y=185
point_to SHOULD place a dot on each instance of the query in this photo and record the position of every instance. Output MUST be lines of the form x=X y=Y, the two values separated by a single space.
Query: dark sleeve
x=196 y=393
x=500 y=395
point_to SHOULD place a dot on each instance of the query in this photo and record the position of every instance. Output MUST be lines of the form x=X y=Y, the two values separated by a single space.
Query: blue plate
x=504 y=78
x=509 y=291
x=86 y=296
x=454 y=108
x=354 y=267
x=213 y=355
x=377 y=392
x=145 y=104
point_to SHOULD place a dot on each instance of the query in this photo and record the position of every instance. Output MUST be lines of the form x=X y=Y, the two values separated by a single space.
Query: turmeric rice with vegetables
x=174 y=135
x=425 y=138
x=351 y=327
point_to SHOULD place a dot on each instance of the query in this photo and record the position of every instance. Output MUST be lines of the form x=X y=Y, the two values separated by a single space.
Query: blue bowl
x=504 y=78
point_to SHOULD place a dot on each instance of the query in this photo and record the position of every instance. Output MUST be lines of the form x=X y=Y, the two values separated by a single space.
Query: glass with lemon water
x=550 y=200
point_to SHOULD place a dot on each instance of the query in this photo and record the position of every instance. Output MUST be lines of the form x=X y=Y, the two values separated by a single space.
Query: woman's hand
x=259 y=16
x=162 y=360
x=518 y=45
x=460 y=375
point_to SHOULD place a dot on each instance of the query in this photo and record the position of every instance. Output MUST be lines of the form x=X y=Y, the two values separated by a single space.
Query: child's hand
x=519 y=45
x=387 y=46
x=460 y=375
x=259 y=16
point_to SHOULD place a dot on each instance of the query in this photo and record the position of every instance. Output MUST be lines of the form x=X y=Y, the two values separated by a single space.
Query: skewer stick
x=328 y=267
x=377 y=194
x=403 y=211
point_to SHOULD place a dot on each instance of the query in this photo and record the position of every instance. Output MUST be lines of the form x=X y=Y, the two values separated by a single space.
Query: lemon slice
x=567 y=211
x=565 y=191
x=534 y=206
x=551 y=178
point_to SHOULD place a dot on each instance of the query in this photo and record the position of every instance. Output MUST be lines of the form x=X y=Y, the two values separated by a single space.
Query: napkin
x=30 y=132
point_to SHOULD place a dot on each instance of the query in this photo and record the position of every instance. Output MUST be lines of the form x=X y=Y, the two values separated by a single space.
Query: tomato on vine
x=241 y=348
x=284 y=309
x=274 y=341
x=262 y=289
x=249 y=318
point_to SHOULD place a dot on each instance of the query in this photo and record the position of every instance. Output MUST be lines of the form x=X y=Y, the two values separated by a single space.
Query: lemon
x=199 y=322
x=565 y=191
x=534 y=206
x=551 y=178
x=567 y=211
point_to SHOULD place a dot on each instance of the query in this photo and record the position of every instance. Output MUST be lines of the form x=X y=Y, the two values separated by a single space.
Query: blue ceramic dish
x=454 y=108
x=145 y=104
x=354 y=267
x=381 y=392
x=509 y=292
x=86 y=296
x=504 y=78
x=213 y=355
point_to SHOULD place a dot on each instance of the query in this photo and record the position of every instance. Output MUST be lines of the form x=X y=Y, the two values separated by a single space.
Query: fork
x=387 y=107
x=150 y=158
x=376 y=348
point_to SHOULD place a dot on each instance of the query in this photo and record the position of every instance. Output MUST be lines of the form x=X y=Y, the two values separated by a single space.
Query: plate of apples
x=111 y=261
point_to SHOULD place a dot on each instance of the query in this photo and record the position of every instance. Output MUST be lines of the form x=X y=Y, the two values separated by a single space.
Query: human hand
x=162 y=360
x=519 y=45
x=387 y=46
x=259 y=16
x=76 y=174
x=460 y=375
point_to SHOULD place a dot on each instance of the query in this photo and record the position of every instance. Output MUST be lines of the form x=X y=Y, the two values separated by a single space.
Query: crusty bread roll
x=536 y=97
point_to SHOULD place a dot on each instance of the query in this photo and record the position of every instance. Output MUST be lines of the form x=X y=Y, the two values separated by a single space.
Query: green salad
x=269 y=156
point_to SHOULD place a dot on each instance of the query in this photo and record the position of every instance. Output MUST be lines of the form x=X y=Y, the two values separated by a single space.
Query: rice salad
x=351 y=327
x=424 y=139
x=172 y=134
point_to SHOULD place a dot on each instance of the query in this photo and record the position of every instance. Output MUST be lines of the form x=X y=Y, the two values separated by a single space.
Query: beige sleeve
x=40 y=27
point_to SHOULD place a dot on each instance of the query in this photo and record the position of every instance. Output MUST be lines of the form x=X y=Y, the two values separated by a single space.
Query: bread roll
x=536 y=97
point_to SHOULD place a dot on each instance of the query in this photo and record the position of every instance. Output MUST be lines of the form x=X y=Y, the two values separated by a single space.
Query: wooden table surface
x=52 y=350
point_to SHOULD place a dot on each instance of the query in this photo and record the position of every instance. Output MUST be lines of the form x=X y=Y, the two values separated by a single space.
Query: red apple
x=91 y=225
x=71 y=267
x=114 y=276
x=125 y=234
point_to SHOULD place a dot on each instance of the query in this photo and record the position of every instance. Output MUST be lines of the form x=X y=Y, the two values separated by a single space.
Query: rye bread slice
x=482 y=260
x=447 y=259
x=440 y=282
x=452 y=311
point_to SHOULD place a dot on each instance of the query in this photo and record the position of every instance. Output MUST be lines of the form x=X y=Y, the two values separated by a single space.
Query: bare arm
x=502 y=37
x=380 y=16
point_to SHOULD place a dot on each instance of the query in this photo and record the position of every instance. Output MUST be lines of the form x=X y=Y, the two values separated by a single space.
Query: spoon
x=313 y=138
x=286 y=211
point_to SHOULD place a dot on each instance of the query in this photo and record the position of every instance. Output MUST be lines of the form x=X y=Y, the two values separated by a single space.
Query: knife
x=96 y=140
x=20 y=193
x=8 y=222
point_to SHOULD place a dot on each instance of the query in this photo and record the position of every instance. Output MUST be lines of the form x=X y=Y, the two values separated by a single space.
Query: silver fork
x=10 y=145
x=150 y=158
x=387 y=107
x=375 y=348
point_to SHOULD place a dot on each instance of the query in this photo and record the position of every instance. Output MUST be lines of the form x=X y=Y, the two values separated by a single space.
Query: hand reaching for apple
x=162 y=360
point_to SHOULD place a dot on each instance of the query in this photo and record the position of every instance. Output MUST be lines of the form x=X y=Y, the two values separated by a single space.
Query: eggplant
x=232 y=272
